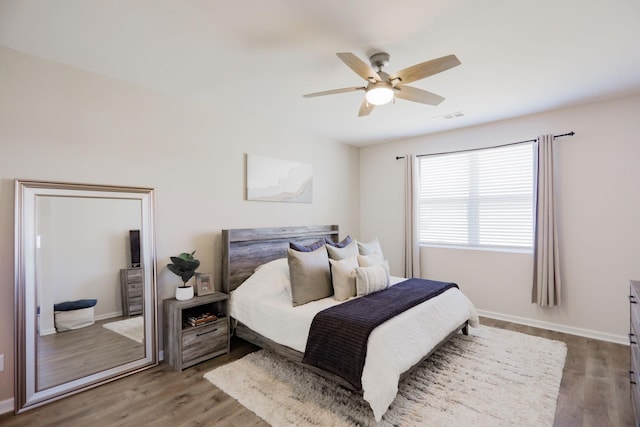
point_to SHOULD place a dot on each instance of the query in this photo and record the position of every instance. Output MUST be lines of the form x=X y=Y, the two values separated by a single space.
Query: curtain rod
x=483 y=148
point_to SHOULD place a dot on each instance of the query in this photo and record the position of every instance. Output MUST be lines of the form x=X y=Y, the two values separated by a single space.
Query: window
x=480 y=198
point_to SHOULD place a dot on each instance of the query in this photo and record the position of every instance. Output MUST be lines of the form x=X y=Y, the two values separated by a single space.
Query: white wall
x=598 y=177
x=61 y=124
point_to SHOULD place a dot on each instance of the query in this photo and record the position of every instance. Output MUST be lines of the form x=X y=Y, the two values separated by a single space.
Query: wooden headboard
x=246 y=248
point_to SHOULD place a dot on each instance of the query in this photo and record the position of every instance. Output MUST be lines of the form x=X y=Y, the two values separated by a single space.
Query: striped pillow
x=372 y=279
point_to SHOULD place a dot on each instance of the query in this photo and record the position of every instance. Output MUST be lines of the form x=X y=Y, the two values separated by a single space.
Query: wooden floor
x=66 y=356
x=594 y=392
x=595 y=383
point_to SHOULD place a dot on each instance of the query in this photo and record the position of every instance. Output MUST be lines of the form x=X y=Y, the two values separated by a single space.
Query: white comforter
x=263 y=303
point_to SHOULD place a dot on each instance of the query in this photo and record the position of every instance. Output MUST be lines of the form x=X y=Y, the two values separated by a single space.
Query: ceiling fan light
x=379 y=95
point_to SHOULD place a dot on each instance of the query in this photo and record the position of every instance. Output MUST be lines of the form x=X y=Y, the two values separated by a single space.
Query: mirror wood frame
x=27 y=396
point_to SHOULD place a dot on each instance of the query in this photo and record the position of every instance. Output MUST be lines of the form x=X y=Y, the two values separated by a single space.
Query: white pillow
x=372 y=279
x=344 y=278
x=372 y=247
x=341 y=253
x=281 y=264
x=268 y=279
x=369 y=260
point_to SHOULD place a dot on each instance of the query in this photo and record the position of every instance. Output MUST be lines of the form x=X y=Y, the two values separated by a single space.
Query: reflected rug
x=131 y=328
x=493 y=377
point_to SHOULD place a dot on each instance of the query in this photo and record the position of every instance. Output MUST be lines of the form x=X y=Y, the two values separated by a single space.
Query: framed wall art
x=277 y=180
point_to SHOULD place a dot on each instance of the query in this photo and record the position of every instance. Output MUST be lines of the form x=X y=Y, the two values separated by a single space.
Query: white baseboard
x=588 y=333
x=6 y=406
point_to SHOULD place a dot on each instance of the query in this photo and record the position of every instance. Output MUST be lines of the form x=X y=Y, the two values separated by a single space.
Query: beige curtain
x=546 y=270
x=411 y=246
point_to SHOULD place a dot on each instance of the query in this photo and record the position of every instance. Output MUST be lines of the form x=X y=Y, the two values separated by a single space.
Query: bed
x=255 y=274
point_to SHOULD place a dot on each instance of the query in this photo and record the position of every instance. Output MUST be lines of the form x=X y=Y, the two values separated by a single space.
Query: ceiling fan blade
x=365 y=108
x=333 y=91
x=417 y=95
x=360 y=67
x=425 y=69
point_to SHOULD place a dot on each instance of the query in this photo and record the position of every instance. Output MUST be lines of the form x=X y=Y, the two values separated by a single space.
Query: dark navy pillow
x=341 y=244
x=306 y=248
x=75 y=305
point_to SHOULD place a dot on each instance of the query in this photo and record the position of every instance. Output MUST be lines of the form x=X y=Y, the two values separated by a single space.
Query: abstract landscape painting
x=277 y=180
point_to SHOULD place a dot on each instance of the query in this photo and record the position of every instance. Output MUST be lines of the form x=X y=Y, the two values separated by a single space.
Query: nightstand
x=186 y=340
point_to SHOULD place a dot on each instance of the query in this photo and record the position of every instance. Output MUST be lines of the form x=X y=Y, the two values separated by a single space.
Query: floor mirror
x=85 y=287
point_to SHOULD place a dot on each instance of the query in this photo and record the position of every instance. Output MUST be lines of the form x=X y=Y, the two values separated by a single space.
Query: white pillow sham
x=368 y=248
x=369 y=260
x=343 y=278
x=271 y=278
x=341 y=253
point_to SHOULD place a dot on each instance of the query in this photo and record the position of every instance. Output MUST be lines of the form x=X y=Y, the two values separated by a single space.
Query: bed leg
x=465 y=328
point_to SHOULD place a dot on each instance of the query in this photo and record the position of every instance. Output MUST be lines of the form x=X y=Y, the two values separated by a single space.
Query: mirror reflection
x=85 y=324
x=85 y=287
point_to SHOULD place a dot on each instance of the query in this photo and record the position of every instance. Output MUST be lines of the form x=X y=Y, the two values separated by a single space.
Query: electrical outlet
x=1 y=362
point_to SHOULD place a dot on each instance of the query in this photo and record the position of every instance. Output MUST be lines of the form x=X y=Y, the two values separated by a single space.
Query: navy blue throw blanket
x=339 y=335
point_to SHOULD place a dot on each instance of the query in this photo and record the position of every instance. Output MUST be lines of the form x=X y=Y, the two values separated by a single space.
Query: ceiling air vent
x=450 y=115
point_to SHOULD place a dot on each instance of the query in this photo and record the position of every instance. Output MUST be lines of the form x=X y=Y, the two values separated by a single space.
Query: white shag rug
x=131 y=328
x=493 y=377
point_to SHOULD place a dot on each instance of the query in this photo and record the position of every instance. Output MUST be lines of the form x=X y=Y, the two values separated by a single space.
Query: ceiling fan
x=382 y=88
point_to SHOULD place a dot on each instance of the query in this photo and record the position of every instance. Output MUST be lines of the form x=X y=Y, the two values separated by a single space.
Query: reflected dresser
x=131 y=281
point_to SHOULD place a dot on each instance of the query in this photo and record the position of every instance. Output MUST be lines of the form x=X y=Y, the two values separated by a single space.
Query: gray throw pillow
x=310 y=276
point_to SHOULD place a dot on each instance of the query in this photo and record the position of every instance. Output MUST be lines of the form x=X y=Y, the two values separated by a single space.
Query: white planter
x=184 y=293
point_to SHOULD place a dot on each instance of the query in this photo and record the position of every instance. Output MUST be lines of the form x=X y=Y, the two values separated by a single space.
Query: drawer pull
x=204 y=333
x=632 y=299
x=631 y=336
x=632 y=378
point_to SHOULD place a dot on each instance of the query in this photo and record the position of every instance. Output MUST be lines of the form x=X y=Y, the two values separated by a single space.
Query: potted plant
x=184 y=265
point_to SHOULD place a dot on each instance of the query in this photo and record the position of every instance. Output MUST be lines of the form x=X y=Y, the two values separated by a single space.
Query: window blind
x=481 y=198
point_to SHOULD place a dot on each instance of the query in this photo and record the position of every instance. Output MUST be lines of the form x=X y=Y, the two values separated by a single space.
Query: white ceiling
x=260 y=57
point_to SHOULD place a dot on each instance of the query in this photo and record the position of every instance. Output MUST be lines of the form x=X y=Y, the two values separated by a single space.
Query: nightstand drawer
x=201 y=340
